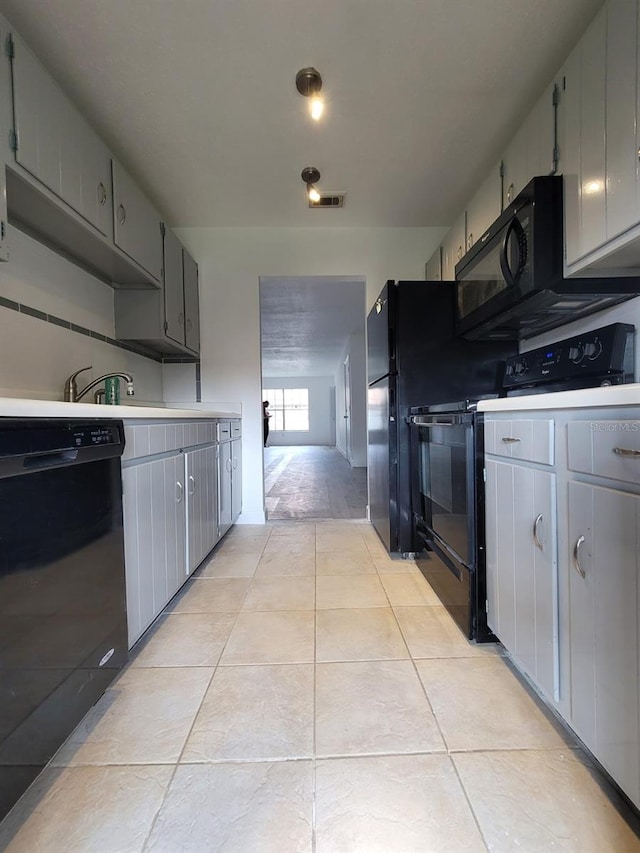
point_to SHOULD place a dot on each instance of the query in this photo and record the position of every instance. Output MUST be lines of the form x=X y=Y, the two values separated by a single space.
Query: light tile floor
x=307 y=693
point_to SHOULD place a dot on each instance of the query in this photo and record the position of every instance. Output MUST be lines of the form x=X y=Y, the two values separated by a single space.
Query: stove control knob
x=508 y=370
x=576 y=353
x=593 y=350
x=520 y=368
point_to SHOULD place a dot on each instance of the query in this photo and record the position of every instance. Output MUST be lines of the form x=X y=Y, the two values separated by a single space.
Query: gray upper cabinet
x=167 y=320
x=55 y=144
x=173 y=288
x=191 y=302
x=136 y=223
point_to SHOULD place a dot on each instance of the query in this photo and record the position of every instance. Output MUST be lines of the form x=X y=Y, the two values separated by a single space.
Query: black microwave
x=510 y=284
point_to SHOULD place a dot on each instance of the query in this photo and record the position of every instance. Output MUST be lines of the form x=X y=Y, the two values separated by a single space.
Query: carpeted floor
x=313 y=483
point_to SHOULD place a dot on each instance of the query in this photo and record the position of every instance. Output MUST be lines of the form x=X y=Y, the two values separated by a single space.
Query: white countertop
x=585 y=398
x=15 y=407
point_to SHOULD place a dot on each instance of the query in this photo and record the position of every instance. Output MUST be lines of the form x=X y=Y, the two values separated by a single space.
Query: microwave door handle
x=509 y=276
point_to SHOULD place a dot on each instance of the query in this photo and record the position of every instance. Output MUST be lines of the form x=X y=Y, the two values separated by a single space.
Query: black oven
x=511 y=285
x=448 y=509
x=447 y=463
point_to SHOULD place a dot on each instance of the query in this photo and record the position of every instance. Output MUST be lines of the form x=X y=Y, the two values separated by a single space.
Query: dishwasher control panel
x=35 y=436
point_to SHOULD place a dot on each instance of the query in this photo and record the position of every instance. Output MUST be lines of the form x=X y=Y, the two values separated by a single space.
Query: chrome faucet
x=72 y=395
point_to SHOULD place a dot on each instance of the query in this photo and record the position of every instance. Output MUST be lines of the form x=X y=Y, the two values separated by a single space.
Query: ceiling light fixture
x=309 y=84
x=310 y=175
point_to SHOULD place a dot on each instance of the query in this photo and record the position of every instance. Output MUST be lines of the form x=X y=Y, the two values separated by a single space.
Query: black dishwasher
x=63 y=622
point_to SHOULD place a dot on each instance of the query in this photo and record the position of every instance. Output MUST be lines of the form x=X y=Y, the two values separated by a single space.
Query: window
x=289 y=408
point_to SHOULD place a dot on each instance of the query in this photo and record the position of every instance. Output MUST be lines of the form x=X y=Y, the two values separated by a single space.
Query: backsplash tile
x=81 y=330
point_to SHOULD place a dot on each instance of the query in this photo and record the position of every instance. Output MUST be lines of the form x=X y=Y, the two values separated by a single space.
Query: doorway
x=314 y=376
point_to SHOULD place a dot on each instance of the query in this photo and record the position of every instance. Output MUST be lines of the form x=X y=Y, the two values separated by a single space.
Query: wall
x=38 y=353
x=322 y=424
x=231 y=260
x=355 y=348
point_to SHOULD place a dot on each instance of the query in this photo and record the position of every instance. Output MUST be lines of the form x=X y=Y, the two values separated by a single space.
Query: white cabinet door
x=453 y=248
x=515 y=166
x=225 y=468
x=154 y=521
x=522 y=579
x=191 y=302
x=484 y=208
x=137 y=228
x=593 y=56
x=236 y=479
x=173 y=288
x=604 y=538
x=434 y=266
x=569 y=148
x=56 y=145
x=621 y=111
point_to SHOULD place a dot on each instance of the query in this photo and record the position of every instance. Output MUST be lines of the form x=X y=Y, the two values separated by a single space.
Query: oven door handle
x=421 y=420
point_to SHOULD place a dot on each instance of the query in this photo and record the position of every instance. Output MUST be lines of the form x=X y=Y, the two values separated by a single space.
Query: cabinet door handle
x=102 y=194
x=235 y=463
x=510 y=193
x=181 y=319
x=228 y=465
x=576 y=557
x=192 y=484
x=179 y=491
x=122 y=214
x=470 y=241
x=536 y=528
x=189 y=325
x=508 y=440
x=624 y=451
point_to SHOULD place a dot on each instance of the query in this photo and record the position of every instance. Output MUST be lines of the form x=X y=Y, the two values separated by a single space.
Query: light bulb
x=317 y=108
x=314 y=195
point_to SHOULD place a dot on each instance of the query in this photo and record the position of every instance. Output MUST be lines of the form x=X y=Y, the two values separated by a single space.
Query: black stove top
x=604 y=356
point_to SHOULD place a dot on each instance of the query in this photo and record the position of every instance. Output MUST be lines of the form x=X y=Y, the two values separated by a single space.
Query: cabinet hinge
x=9 y=47
x=13 y=140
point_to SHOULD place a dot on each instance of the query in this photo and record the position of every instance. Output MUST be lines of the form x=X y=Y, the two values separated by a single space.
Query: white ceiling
x=198 y=100
x=305 y=322
x=197 y=97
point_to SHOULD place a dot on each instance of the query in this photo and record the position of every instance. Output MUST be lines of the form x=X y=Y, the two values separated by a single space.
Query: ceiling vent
x=328 y=200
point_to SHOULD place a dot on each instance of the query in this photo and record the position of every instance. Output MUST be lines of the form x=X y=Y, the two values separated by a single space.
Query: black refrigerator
x=414 y=359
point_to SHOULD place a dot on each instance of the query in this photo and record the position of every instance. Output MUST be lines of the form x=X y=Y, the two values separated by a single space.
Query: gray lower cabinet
x=154 y=526
x=166 y=320
x=236 y=479
x=522 y=578
x=171 y=494
x=200 y=469
x=604 y=531
x=229 y=471
x=224 y=474
x=594 y=594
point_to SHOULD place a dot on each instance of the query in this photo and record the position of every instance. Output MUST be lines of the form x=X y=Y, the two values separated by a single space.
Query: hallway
x=311 y=483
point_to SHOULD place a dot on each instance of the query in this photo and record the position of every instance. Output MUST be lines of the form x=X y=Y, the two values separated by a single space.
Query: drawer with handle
x=606 y=448
x=520 y=438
